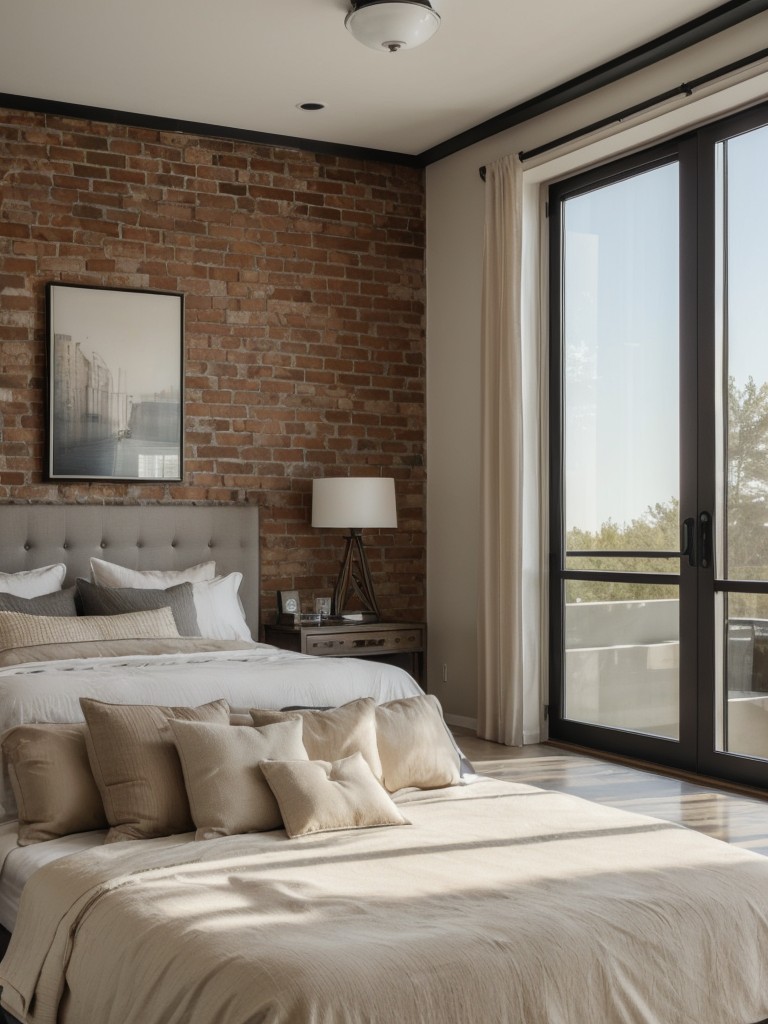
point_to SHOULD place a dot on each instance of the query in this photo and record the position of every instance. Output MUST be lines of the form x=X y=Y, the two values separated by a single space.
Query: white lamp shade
x=391 y=25
x=357 y=502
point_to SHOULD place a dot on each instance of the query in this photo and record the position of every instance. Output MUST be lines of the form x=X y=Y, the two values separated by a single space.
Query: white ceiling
x=246 y=64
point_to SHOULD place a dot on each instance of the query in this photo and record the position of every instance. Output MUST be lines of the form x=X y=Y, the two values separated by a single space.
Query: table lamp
x=354 y=503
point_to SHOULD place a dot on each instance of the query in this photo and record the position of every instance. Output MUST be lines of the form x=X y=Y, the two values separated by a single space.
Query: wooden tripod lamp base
x=355 y=578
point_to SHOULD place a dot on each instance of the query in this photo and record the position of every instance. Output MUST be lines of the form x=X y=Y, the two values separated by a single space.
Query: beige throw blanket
x=500 y=903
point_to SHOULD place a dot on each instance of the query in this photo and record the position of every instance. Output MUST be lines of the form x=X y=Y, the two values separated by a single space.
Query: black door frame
x=696 y=748
x=679 y=753
x=732 y=766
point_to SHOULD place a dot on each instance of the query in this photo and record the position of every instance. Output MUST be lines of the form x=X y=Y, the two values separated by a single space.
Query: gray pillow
x=95 y=600
x=61 y=602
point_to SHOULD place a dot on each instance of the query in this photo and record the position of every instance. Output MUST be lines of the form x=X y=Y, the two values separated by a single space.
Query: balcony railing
x=622 y=671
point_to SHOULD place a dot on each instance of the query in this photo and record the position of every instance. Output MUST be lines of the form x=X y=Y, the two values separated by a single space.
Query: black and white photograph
x=115 y=359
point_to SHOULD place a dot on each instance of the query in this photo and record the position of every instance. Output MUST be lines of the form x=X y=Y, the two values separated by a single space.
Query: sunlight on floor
x=740 y=820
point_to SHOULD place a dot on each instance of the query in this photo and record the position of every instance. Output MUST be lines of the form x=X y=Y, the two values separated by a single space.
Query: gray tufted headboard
x=138 y=536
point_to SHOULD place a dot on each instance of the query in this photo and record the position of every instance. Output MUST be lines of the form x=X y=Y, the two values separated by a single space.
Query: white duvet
x=259 y=676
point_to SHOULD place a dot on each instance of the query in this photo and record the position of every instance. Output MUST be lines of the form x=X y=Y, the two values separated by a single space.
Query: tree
x=747 y=491
x=658 y=529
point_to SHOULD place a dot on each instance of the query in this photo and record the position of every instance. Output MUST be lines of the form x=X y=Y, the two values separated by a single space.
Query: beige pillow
x=334 y=733
x=52 y=781
x=227 y=792
x=415 y=746
x=18 y=629
x=315 y=796
x=240 y=718
x=136 y=767
x=109 y=574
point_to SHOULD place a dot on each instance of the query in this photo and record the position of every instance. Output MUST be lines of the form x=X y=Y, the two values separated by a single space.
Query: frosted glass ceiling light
x=392 y=24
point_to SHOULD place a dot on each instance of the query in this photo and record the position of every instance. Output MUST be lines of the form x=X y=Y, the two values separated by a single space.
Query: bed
x=428 y=894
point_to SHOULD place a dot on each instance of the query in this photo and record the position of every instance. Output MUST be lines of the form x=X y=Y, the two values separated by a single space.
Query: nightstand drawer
x=399 y=643
x=365 y=641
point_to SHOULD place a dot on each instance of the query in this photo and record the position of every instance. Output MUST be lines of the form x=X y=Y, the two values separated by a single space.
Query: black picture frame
x=115 y=384
x=288 y=605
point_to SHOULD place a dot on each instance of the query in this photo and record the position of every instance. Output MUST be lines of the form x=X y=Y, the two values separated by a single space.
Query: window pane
x=744 y=726
x=621 y=329
x=743 y=314
x=622 y=656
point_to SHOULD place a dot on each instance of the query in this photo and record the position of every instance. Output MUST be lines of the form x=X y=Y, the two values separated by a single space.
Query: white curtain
x=511 y=625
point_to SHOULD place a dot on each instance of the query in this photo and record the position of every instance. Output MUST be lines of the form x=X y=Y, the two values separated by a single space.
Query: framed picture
x=288 y=605
x=115 y=387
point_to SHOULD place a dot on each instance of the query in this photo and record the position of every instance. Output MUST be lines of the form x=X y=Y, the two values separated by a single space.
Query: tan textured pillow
x=136 y=767
x=335 y=733
x=52 y=781
x=17 y=629
x=227 y=792
x=415 y=746
x=240 y=718
x=315 y=796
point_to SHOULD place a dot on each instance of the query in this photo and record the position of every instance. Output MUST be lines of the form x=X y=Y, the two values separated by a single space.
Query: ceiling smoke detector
x=392 y=25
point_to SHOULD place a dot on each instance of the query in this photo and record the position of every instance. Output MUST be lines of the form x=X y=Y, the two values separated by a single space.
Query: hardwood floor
x=735 y=818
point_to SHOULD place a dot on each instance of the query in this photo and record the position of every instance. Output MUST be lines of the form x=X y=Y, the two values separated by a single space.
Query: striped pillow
x=18 y=629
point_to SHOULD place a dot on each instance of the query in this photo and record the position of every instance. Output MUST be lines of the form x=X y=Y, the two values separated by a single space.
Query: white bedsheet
x=263 y=676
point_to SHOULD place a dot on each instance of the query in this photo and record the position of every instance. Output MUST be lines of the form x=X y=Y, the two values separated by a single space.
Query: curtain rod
x=686 y=89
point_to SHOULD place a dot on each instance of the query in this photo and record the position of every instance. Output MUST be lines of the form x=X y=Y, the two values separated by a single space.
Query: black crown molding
x=698 y=30
x=704 y=27
x=213 y=131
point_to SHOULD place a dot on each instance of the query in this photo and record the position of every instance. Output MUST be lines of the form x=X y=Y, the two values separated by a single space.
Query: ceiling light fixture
x=392 y=25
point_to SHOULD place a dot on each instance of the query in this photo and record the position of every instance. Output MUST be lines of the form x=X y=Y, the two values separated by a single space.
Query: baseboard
x=460 y=720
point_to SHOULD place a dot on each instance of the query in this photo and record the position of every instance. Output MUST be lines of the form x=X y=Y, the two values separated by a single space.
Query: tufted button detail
x=65 y=546
x=27 y=547
x=173 y=543
x=103 y=544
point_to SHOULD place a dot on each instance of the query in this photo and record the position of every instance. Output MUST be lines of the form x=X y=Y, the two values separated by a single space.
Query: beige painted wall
x=454 y=264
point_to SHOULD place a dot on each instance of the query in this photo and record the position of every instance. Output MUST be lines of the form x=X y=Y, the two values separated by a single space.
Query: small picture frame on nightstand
x=288 y=606
x=323 y=607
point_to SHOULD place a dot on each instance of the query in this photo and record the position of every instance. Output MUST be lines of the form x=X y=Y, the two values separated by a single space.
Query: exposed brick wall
x=304 y=284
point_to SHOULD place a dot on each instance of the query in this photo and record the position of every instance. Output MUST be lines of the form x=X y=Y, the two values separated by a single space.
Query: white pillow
x=33 y=582
x=108 y=574
x=219 y=611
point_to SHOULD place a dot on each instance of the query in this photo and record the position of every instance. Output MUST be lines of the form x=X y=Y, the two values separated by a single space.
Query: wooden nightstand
x=398 y=643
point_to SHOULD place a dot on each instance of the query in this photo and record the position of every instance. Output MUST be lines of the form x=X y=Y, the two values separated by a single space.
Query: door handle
x=705 y=540
x=688 y=540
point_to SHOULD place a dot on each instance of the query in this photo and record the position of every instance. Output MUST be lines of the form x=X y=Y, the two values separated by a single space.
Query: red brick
x=304 y=282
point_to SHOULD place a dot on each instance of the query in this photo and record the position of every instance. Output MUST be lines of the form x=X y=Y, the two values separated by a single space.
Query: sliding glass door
x=659 y=439
x=739 y=711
